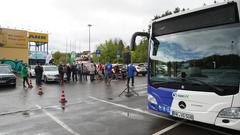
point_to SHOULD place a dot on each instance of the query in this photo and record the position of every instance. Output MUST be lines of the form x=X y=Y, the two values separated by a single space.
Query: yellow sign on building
x=10 y=38
x=38 y=37
x=14 y=43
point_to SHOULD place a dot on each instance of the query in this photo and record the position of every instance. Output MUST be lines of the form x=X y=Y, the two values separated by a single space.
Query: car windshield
x=4 y=70
x=211 y=56
x=50 y=68
x=5 y=65
x=32 y=66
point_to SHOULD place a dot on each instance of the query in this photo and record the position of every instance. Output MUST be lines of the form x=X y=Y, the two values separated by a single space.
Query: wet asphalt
x=92 y=108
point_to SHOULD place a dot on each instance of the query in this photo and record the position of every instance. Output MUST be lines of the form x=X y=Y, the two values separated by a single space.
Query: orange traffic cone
x=40 y=92
x=30 y=82
x=62 y=98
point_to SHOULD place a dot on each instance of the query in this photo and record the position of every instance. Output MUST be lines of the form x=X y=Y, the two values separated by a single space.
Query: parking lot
x=92 y=108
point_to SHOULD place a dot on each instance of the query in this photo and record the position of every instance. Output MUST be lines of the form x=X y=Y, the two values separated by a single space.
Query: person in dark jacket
x=130 y=73
x=38 y=71
x=61 y=73
x=80 y=71
x=74 y=72
x=68 y=73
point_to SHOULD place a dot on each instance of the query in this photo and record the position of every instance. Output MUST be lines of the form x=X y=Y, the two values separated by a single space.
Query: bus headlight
x=231 y=113
x=152 y=99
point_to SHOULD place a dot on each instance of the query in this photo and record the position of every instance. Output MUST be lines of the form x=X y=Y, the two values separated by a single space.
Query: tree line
x=109 y=52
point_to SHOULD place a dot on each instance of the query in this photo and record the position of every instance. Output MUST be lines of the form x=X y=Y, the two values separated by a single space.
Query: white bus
x=194 y=65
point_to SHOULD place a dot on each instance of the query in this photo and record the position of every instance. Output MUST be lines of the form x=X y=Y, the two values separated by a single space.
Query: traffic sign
x=98 y=52
x=118 y=53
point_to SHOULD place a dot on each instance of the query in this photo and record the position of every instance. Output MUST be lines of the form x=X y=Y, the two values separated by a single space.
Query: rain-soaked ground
x=92 y=108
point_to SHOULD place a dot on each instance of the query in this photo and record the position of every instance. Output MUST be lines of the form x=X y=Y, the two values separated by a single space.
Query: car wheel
x=14 y=85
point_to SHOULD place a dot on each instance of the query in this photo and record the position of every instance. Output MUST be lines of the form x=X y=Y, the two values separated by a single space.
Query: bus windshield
x=202 y=60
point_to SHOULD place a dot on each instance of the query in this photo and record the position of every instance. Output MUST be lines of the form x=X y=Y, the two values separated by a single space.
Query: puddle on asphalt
x=27 y=114
x=62 y=107
x=43 y=133
x=130 y=115
x=110 y=98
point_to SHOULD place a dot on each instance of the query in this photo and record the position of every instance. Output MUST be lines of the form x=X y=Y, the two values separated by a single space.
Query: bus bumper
x=228 y=123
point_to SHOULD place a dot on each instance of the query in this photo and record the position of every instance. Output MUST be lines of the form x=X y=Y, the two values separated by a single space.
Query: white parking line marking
x=141 y=85
x=142 y=93
x=129 y=108
x=143 y=88
x=167 y=128
x=58 y=121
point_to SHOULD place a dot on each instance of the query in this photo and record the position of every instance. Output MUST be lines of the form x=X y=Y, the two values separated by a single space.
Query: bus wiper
x=202 y=82
x=157 y=82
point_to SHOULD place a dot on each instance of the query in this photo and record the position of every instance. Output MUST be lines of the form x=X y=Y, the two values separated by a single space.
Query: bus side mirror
x=133 y=40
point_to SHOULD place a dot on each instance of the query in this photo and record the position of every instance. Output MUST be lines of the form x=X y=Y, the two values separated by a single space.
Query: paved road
x=92 y=109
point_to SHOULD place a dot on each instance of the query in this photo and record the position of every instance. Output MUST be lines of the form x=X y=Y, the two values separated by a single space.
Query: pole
x=47 y=48
x=89 y=26
x=75 y=47
x=79 y=47
x=98 y=60
x=70 y=46
x=66 y=52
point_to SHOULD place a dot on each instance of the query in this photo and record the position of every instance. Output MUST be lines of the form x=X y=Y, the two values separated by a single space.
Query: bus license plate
x=182 y=115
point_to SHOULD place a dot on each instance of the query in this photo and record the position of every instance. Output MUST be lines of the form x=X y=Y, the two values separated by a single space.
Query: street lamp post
x=89 y=26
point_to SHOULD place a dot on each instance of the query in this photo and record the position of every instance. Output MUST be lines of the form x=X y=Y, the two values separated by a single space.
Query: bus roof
x=195 y=10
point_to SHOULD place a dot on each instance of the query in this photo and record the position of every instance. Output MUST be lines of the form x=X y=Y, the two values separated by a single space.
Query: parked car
x=122 y=71
x=32 y=70
x=141 y=69
x=50 y=73
x=7 y=65
x=6 y=76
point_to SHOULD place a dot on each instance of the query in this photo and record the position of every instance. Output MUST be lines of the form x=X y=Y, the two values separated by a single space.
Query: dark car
x=6 y=65
x=122 y=71
x=7 y=77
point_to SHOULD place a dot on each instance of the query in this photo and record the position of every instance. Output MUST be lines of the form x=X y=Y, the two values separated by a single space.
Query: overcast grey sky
x=67 y=20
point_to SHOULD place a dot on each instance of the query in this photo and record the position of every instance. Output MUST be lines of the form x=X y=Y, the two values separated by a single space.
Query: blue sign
x=98 y=52
x=118 y=53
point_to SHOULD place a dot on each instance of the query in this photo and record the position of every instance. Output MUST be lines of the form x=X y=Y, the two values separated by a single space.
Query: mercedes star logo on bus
x=182 y=105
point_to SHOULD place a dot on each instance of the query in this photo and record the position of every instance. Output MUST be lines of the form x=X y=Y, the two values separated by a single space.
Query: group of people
x=75 y=72
x=105 y=72
x=109 y=73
